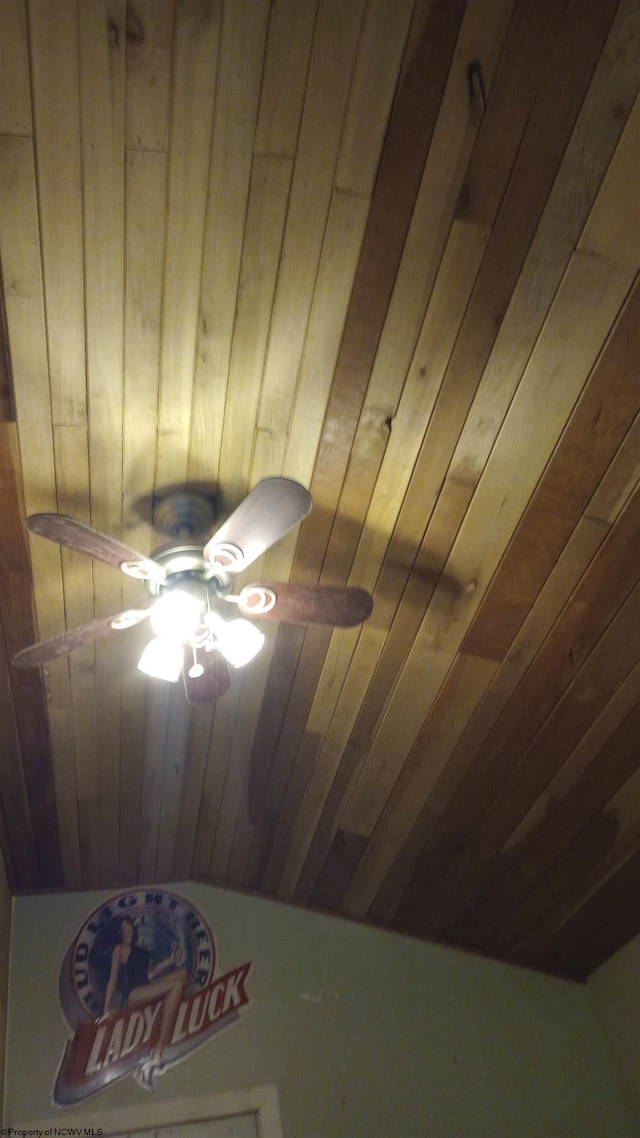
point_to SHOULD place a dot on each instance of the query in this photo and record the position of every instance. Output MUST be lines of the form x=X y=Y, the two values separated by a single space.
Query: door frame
x=261 y=1101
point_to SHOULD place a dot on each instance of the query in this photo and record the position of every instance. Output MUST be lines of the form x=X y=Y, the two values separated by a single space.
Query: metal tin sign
x=138 y=987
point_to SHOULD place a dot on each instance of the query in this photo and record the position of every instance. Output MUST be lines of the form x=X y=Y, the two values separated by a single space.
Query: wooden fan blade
x=272 y=508
x=46 y=650
x=338 y=605
x=214 y=681
x=83 y=538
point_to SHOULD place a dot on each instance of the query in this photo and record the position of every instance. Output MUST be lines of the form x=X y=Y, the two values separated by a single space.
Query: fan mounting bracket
x=183 y=514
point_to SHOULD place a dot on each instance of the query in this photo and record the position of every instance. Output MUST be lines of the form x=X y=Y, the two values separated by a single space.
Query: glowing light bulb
x=176 y=615
x=162 y=659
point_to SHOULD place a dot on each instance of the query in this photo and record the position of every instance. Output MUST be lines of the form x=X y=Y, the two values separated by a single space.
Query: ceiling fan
x=192 y=588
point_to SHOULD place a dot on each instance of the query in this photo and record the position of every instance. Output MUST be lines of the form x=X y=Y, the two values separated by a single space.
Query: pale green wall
x=615 y=989
x=365 y=1034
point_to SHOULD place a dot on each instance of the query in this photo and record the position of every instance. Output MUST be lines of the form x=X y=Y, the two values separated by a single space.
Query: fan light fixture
x=178 y=619
x=191 y=585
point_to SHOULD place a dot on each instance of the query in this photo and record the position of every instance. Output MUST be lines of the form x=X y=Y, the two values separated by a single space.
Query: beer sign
x=139 y=990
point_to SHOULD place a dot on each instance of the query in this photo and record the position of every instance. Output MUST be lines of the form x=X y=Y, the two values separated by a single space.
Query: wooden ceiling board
x=237 y=98
x=448 y=767
x=535 y=706
x=395 y=256
x=574 y=713
x=468 y=367
x=379 y=258
x=513 y=900
x=570 y=940
x=364 y=463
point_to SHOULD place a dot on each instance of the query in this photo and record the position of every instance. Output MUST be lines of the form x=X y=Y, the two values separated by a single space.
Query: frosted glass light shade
x=239 y=642
x=162 y=659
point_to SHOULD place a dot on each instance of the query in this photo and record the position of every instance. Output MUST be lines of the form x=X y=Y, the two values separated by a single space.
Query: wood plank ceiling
x=390 y=250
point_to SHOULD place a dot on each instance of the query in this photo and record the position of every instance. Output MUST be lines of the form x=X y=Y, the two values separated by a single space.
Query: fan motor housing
x=185 y=566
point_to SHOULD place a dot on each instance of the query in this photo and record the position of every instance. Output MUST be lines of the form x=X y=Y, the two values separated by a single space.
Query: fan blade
x=306 y=604
x=83 y=538
x=214 y=680
x=272 y=508
x=45 y=650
